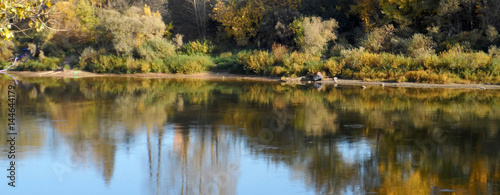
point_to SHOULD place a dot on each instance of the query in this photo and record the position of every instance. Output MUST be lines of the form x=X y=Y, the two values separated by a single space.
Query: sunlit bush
x=279 y=52
x=312 y=34
x=197 y=47
x=332 y=67
x=132 y=28
x=255 y=62
x=420 y=45
x=188 y=64
x=155 y=48
x=296 y=63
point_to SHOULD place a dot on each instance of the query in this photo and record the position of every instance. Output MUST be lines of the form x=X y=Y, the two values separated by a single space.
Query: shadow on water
x=194 y=136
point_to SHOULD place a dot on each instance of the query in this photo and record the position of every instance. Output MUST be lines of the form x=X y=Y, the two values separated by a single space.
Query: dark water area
x=181 y=136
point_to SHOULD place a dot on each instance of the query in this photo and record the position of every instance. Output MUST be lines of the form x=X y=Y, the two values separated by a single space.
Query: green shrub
x=420 y=45
x=197 y=47
x=155 y=48
x=66 y=67
x=48 y=63
x=4 y=64
x=296 y=63
x=107 y=64
x=313 y=67
x=228 y=62
x=188 y=64
x=86 y=57
x=256 y=62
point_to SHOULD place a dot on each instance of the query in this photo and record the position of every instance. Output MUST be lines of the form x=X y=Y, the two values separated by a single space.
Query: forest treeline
x=439 y=41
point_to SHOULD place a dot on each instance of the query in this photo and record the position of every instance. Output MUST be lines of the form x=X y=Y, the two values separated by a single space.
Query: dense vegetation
x=439 y=41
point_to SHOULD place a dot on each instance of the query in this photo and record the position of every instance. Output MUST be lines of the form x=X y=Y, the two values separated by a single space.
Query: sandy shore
x=227 y=76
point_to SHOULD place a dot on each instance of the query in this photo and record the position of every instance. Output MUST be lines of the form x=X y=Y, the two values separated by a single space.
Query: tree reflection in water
x=337 y=140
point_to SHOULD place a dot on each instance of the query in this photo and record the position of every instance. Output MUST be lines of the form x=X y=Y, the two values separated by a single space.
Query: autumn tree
x=312 y=34
x=13 y=12
x=239 y=20
x=132 y=28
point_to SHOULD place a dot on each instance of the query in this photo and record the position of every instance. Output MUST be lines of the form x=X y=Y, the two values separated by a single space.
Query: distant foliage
x=379 y=39
x=275 y=28
x=240 y=20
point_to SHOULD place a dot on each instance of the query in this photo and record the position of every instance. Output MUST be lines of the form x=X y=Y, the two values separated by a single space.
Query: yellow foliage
x=240 y=23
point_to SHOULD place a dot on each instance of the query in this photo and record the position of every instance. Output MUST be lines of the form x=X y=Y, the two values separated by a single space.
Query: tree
x=312 y=34
x=13 y=12
x=239 y=20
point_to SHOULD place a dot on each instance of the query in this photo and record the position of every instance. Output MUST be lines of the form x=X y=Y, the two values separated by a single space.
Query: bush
x=228 y=62
x=188 y=64
x=420 y=45
x=256 y=62
x=314 y=34
x=48 y=63
x=86 y=57
x=197 y=47
x=107 y=64
x=178 y=40
x=332 y=67
x=6 y=50
x=296 y=63
x=155 y=48
x=379 y=39
x=132 y=28
x=279 y=52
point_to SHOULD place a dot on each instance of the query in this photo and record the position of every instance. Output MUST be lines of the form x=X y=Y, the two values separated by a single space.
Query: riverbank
x=237 y=77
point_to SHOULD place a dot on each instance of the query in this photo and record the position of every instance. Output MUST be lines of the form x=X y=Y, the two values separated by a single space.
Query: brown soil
x=227 y=76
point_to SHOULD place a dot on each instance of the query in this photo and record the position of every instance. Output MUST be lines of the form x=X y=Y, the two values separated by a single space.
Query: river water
x=181 y=136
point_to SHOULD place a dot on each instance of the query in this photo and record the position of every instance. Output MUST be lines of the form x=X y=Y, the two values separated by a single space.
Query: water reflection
x=209 y=137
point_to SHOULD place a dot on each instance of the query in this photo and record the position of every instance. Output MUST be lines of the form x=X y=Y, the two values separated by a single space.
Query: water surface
x=181 y=136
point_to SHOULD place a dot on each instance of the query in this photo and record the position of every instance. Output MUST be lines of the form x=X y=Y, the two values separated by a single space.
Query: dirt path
x=227 y=76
